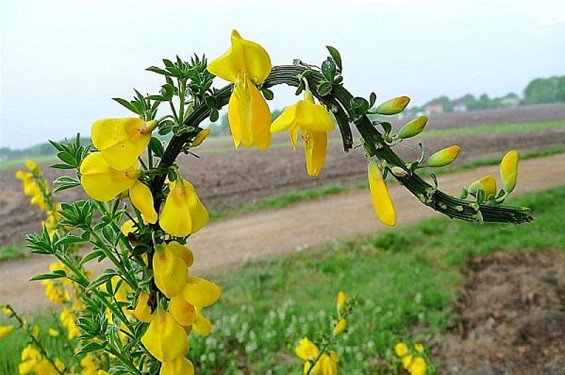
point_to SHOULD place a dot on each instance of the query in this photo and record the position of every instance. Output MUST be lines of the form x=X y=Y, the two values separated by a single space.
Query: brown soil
x=511 y=317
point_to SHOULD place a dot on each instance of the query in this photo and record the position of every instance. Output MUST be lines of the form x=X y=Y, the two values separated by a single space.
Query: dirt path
x=304 y=225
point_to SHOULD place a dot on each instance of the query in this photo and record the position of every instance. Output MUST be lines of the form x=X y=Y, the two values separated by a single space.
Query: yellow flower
x=487 y=184
x=418 y=366
x=183 y=213
x=380 y=197
x=183 y=312
x=200 y=137
x=121 y=140
x=179 y=365
x=6 y=311
x=142 y=309
x=313 y=121
x=89 y=366
x=509 y=170
x=169 y=271
x=444 y=156
x=246 y=64
x=53 y=332
x=413 y=128
x=202 y=325
x=141 y=197
x=5 y=330
x=306 y=350
x=165 y=339
x=341 y=297
x=102 y=182
x=68 y=321
x=419 y=347
x=400 y=349
x=128 y=227
x=200 y=293
x=393 y=106
x=340 y=327
x=182 y=252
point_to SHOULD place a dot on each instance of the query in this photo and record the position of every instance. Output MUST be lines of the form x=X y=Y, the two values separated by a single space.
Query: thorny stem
x=339 y=100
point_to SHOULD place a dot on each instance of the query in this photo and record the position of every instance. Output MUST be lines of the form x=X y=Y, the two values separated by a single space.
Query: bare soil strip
x=230 y=242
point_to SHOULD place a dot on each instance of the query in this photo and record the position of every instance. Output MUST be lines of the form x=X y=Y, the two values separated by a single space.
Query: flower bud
x=5 y=330
x=200 y=137
x=340 y=327
x=398 y=172
x=444 y=156
x=413 y=127
x=341 y=297
x=393 y=106
x=487 y=184
x=509 y=170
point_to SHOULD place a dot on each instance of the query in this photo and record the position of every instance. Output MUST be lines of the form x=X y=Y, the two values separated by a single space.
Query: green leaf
x=94 y=254
x=156 y=146
x=57 y=274
x=268 y=94
x=324 y=88
x=89 y=348
x=300 y=88
x=336 y=56
x=387 y=127
x=67 y=158
x=372 y=99
x=62 y=166
x=65 y=183
x=329 y=70
x=128 y=105
x=214 y=115
x=157 y=70
x=68 y=239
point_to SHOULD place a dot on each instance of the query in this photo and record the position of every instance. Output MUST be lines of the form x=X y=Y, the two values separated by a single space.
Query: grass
x=494 y=128
x=403 y=280
x=13 y=163
x=14 y=251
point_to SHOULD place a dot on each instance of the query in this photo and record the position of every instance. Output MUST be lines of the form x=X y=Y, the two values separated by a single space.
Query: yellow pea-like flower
x=487 y=184
x=102 y=182
x=200 y=293
x=200 y=137
x=393 y=106
x=444 y=156
x=182 y=252
x=419 y=347
x=165 y=339
x=5 y=330
x=169 y=271
x=183 y=312
x=121 y=140
x=246 y=64
x=142 y=309
x=418 y=366
x=128 y=227
x=306 y=349
x=313 y=121
x=329 y=364
x=413 y=128
x=401 y=349
x=340 y=327
x=141 y=197
x=179 y=365
x=183 y=213
x=509 y=170
x=341 y=298
x=202 y=326
x=380 y=197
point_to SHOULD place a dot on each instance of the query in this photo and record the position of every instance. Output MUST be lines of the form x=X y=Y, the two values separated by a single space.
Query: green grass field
x=403 y=281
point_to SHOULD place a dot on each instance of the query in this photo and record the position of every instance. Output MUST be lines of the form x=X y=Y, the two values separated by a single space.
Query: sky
x=62 y=62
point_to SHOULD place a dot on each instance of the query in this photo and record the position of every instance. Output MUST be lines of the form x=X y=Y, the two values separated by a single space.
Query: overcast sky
x=61 y=62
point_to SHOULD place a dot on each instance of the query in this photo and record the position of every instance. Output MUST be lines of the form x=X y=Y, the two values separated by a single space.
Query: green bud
x=413 y=127
x=393 y=106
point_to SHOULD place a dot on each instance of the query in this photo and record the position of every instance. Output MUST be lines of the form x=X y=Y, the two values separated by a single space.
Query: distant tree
x=545 y=90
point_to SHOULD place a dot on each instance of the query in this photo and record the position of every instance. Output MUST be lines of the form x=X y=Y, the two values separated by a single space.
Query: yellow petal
x=243 y=56
x=400 y=349
x=340 y=327
x=444 y=156
x=314 y=117
x=285 y=120
x=141 y=197
x=5 y=330
x=165 y=339
x=183 y=212
x=183 y=312
x=341 y=297
x=182 y=252
x=487 y=184
x=306 y=349
x=260 y=118
x=200 y=293
x=142 y=310
x=509 y=170
x=102 y=182
x=315 y=147
x=380 y=197
x=418 y=366
x=169 y=271
x=329 y=365
x=121 y=140
x=178 y=366
x=202 y=326
x=128 y=227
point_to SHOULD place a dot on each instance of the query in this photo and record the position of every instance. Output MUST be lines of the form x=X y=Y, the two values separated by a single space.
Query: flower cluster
x=324 y=361
x=485 y=189
x=414 y=359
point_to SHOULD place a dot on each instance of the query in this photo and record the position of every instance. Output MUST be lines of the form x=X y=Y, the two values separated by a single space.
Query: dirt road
x=250 y=237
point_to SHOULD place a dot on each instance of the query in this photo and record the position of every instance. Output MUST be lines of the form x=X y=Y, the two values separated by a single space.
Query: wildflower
x=141 y=197
x=412 y=362
x=393 y=106
x=179 y=365
x=340 y=327
x=183 y=213
x=183 y=252
x=419 y=347
x=31 y=165
x=183 y=312
x=401 y=349
x=202 y=325
x=121 y=140
x=200 y=137
x=487 y=184
x=90 y=366
x=246 y=64
x=341 y=297
x=380 y=197
x=444 y=156
x=53 y=332
x=413 y=128
x=200 y=293
x=6 y=311
x=68 y=320
x=308 y=352
x=169 y=271
x=509 y=170
x=313 y=121
x=165 y=339
x=5 y=330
